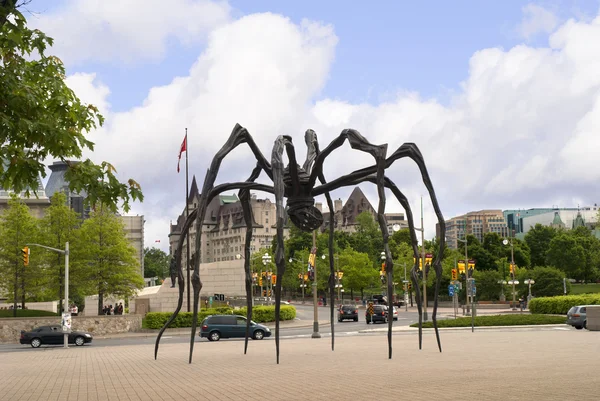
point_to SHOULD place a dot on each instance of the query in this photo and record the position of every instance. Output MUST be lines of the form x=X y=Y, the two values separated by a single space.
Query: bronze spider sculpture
x=297 y=184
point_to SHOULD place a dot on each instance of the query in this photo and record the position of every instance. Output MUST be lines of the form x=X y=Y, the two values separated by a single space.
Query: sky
x=502 y=98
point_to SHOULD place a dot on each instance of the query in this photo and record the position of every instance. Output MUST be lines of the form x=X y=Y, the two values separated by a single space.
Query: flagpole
x=187 y=215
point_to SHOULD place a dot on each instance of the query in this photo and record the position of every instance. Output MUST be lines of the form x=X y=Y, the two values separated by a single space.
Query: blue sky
x=402 y=45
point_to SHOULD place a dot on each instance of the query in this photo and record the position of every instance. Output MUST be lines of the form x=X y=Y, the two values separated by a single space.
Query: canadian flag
x=157 y=240
x=183 y=149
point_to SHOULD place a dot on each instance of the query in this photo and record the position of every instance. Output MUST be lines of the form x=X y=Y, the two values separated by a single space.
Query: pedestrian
x=110 y=309
x=120 y=308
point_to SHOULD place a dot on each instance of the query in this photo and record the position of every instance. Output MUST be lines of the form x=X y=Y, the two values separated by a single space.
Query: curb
x=416 y=329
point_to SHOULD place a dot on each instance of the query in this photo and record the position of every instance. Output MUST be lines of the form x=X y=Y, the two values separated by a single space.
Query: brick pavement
x=507 y=364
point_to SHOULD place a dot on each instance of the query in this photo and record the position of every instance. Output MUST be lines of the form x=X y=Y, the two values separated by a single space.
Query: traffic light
x=461 y=266
x=269 y=292
x=274 y=279
x=260 y=281
x=383 y=267
x=25 y=256
x=409 y=286
x=264 y=293
x=454 y=275
x=512 y=270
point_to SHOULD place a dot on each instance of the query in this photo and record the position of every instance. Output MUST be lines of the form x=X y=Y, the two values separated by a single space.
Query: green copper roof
x=578 y=222
x=226 y=199
x=557 y=220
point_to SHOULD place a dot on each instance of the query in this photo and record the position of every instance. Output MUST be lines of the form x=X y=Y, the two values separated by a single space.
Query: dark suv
x=379 y=314
x=349 y=312
x=215 y=327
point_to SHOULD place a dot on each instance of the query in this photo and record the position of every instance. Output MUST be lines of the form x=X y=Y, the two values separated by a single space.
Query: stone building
x=345 y=213
x=224 y=227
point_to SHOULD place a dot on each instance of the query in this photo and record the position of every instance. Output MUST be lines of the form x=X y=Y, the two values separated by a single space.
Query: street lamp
x=300 y=275
x=529 y=282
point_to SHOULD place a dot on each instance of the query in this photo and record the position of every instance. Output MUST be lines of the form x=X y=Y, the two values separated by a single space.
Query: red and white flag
x=157 y=240
x=183 y=149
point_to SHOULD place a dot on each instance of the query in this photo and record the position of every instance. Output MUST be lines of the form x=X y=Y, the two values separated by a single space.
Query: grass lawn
x=498 y=320
x=26 y=313
x=585 y=288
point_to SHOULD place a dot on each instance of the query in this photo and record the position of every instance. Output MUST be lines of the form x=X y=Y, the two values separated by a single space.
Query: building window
x=267 y=221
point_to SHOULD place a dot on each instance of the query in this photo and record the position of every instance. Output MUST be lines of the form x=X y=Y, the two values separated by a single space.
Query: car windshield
x=347 y=307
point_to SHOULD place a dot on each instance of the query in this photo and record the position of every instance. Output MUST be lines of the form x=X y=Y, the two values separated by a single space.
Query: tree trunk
x=100 y=302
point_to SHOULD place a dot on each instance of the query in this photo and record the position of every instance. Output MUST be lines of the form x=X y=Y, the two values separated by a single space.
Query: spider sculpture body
x=298 y=184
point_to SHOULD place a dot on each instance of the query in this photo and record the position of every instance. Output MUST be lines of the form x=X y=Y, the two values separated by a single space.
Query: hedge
x=560 y=305
x=497 y=320
x=260 y=314
x=26 y=313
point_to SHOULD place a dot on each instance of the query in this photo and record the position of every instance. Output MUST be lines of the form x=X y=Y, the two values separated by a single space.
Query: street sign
x=450 y=290
x=66 y=322
x=219 y=297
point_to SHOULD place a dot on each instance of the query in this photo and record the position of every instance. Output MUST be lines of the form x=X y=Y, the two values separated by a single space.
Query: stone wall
x=51 y=306
x=10 y=328
x=226 y=278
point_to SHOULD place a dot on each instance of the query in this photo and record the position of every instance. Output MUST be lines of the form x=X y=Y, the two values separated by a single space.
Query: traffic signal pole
x=66 y=301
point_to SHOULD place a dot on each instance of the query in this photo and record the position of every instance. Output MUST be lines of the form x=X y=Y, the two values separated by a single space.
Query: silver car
x=576 y=317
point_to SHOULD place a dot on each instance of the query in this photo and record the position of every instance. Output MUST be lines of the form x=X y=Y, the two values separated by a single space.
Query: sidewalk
x=485 y=365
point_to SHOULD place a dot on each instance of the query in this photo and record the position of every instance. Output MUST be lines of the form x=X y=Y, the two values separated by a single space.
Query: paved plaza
x=500 y=364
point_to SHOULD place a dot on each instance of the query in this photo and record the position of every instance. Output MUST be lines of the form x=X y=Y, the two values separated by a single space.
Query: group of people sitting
x=109 y=310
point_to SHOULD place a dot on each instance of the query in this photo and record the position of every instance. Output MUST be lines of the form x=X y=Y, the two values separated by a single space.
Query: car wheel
x=259 y=335
x=79 y=341
x=36 y=342
x=214 y=336
x=579 y=327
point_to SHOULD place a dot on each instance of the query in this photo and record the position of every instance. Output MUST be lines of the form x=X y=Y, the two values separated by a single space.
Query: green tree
x=156 y=263
x=107 y=257
x=487 y=284
x=538 y=239
x=18 y=228
x=60 y=224
x=567 y=255
x=548 y=281
x=358 y=271
x=41 y=118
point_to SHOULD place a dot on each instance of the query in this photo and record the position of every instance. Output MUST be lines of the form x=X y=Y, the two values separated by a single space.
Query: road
x=304 y=313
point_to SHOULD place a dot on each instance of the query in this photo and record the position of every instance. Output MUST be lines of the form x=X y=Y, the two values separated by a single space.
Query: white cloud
x=536 y=20
x=521 y=133
x=128 y=31
x=89 y=90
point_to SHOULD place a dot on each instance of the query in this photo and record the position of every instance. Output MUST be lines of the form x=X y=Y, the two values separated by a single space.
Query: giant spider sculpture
x=297 y=184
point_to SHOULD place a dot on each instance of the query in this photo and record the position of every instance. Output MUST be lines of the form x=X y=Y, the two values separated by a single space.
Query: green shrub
x=263 y=314
x=156 y=320
x=561 y=305
x=497 y=320
x=260 y=314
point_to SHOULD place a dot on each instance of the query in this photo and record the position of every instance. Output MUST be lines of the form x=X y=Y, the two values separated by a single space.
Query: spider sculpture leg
x=278 y=184
x=244 y=195
x=180 y=281
x=238 y=136
x=406 y=150
x=312 y=145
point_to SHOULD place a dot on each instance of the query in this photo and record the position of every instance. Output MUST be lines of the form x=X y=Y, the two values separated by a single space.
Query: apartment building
x=476 y=223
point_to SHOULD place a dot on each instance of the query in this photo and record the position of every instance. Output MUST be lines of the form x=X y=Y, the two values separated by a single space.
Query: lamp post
x=300 y=275
x=313 y=257
x=512 y=271
x=466 y=265
x=422 y=230
x=529 y=282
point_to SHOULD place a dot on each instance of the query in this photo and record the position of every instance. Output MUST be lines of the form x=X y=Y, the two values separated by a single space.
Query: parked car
x=395 y=313
x=379 y=314
x=53 y=335
x=576 y=317
x=349 y=312
x=215 y=327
